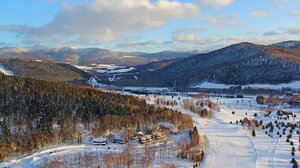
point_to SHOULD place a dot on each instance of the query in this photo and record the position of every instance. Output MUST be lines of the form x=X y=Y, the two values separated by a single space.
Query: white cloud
x=234 y=39
x=257 y=39
x=259 y=13
x=196 y=42
x=196 y=39
x=192 y=38
x=295 y=14
x=105 y=20
x=144 y=45
x=217 y=3
x=188 y=30
x=222 y=22
x=2 y=28
x=293 y=30
x=271 y=33
x=281 y=2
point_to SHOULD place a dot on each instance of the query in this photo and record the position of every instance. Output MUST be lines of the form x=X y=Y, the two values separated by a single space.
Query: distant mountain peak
x=288 y=44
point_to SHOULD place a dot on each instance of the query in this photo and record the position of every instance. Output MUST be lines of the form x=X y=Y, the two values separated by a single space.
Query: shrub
x=260 y=100
x=253 y=133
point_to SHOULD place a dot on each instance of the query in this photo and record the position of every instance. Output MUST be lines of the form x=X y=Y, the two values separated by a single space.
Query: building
x=157 y=135
x=148 y=138
x=100 y=141
x=142 y=140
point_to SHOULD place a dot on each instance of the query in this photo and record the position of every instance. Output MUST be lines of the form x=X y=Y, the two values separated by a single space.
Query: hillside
x=45 y=70
x=87 y=56
x=152 y=66
x=288 y=44
x=36 y=114
x=243 y=63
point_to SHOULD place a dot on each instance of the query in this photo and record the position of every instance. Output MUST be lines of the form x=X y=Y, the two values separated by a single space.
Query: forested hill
x=45 y=70
x=238 y=64
x=36 y=113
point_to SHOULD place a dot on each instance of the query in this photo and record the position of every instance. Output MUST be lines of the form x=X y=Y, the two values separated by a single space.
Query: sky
x=147 y=25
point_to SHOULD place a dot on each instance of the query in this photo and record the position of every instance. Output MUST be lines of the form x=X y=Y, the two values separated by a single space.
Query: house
x=142 y=140
x=174 y=131
x=148 y=138
x=119 y=139
x=157 y=135
x=139 y=134
x=100 y=141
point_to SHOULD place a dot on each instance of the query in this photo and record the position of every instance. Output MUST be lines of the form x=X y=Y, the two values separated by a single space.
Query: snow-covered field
x=121 y=70
x=72 y=153
x=232 y=145
x=209 y=85
x=37 y=158
x=148 y=89
x=93 y=66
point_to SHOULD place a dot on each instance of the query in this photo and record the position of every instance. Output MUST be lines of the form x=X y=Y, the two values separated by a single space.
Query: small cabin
x=100 y=141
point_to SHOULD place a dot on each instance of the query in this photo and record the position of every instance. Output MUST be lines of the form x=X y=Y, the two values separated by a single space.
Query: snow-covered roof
x=148 y=136
x=166 y=125
x=140 y=133
x=100 y=139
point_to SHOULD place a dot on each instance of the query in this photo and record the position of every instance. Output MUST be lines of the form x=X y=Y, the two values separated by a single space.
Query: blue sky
x=147 y=25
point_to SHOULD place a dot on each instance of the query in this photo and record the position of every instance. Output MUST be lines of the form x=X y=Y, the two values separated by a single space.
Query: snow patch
x=83 y=67
x=149 y=89
x=37 y=60
x=209 y=85
x=129 y=56
x=95 y=82
x=6 y=71
x=122 y=70
x=114 y=78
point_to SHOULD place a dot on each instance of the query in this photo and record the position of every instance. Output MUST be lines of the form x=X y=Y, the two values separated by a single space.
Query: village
x=154 y=135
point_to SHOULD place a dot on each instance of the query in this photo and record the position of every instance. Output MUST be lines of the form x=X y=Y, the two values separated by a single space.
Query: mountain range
x=87 y=56
x=239 y=64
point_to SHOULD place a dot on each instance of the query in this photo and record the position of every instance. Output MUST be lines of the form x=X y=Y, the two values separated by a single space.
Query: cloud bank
x=104 y=20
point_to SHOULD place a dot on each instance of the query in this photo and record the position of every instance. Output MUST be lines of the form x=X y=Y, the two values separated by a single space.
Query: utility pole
x=174 y=86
